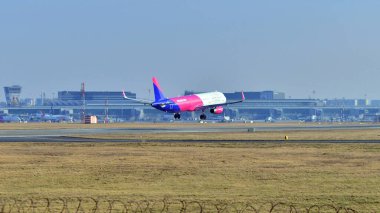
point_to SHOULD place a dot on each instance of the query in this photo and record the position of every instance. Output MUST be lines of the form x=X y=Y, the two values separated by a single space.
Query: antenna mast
x=83 y=96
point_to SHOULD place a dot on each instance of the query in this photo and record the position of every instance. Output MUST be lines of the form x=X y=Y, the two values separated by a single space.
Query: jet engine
x=217 y=110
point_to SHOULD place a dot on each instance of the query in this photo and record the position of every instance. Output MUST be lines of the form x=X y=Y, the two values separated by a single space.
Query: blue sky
x=293 y=46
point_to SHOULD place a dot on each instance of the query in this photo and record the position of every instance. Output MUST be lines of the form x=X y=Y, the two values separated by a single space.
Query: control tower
x=12 y=95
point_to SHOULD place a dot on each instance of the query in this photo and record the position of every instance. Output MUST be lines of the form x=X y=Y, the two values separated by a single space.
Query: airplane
x=6 y=118
x=42 y=117
x=214 y=101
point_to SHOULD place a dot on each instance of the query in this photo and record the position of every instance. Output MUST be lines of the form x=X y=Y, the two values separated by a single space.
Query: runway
x=67 y=139
x=71 y=135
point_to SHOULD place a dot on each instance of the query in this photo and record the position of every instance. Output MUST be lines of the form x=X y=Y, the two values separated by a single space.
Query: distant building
x=278 y=95
x=363 y=102
x=347 y=103
x=375 y=103
x=248 y=95
x=190 y=92
x=28 y=102
x=93 y=95
x=12 y=95
x=264 y=95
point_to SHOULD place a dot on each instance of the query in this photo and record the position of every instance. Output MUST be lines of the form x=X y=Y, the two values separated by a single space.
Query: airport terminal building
x=264 y=106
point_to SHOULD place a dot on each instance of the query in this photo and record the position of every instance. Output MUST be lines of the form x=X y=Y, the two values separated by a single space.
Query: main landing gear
x=203 y=117
x=177 y=116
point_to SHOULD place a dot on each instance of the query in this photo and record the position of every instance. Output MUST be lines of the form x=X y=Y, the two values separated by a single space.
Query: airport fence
x=97 y=205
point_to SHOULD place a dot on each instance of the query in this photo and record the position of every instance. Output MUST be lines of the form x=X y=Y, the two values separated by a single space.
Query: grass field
x=298 y=173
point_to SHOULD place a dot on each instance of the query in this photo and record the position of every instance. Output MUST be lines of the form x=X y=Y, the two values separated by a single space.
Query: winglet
x=136 y=100
x=242 y=96
x=124 y=95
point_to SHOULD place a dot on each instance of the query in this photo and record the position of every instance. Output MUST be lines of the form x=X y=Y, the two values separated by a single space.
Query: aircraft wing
x=235 y=102
x=143 y=101
x=225 y=104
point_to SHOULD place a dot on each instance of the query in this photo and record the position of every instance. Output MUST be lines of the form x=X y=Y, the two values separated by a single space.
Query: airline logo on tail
x=213 y=101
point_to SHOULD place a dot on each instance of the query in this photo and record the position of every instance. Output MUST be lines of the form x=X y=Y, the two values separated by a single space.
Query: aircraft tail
x=158 y=94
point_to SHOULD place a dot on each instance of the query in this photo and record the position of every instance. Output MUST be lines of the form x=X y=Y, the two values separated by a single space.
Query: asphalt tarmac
x=68 y=135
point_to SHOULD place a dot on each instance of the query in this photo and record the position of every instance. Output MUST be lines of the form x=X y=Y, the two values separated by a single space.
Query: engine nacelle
x=217 y=110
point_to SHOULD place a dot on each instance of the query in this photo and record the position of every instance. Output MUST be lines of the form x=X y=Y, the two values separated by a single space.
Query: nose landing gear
x=177 y=116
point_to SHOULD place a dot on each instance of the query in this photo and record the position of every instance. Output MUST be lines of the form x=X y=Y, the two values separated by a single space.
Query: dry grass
x=299 y=173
